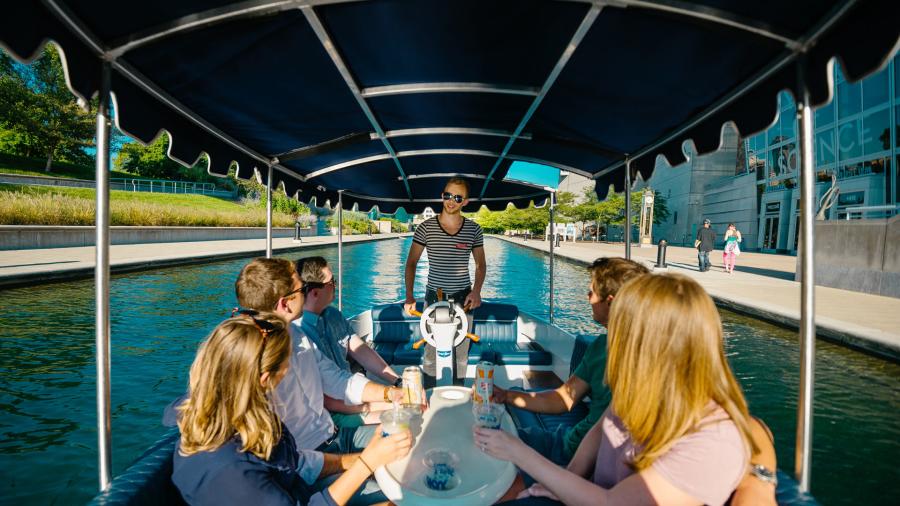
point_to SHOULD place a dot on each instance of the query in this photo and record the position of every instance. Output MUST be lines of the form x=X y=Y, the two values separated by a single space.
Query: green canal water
x=47 y=404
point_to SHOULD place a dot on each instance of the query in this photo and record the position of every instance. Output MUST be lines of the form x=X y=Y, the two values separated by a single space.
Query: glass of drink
x=394 y=421
x=488 y=415
x=441 y=469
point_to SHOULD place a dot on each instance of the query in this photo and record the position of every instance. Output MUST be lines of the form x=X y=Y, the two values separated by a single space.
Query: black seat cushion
x=148 y=481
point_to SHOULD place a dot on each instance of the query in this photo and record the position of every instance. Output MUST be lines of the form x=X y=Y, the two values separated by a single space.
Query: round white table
x=447 y=424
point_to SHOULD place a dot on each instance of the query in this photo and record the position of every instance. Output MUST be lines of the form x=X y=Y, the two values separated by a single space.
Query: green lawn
x=46 y=205
x=10 y=164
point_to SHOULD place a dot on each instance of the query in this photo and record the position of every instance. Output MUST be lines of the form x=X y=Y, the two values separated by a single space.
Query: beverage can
x=484 y=381
x=413 y=390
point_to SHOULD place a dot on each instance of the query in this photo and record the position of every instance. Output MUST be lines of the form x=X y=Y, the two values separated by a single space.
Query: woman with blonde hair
x=233 y=448
x=677 y=430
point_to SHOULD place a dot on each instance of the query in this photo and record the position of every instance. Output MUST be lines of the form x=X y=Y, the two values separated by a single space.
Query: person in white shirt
x=272 y=284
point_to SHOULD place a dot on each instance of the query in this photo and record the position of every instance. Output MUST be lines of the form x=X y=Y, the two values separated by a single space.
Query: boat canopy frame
x=355 y=122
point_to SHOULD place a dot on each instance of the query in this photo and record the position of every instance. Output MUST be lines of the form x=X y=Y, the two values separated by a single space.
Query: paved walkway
x=33 y=266
x=763 y=286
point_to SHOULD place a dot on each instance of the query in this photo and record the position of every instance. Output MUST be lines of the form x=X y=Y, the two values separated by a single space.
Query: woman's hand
x=384 y=450
x=498 y=444
x=537 y=490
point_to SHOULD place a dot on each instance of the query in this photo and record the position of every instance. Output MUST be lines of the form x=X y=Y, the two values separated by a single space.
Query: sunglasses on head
x=265 y=327
x=312 y=285
x=457 y=198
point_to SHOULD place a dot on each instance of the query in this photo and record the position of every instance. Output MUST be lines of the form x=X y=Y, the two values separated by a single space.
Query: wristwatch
x=398 y=383
x=764 y=474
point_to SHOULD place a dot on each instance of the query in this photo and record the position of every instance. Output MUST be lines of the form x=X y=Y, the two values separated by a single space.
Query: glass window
x=897 y=130
x=848 y=140
x=774 y=134
x=876 y=133
x=825 y=147
x=786 y=101
x=825 y=114
x=897 y=80
x=788 y=120
x=875 y=90
x=849 y=100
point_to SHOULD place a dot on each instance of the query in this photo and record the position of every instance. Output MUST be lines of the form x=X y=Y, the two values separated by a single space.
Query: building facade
x=754 y=182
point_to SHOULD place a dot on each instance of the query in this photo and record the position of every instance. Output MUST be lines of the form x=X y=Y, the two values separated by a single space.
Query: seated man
x=327 y=328
x=272 y=284
x=607 y=276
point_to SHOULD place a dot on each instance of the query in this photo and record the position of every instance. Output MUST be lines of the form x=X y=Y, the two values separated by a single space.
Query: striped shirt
x=448 y=255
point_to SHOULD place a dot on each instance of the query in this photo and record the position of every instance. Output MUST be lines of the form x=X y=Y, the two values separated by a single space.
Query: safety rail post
x=627 y=226
x=269 y=213
x=552 y=240
x=803 y=448
x=101 y=283
x=340 y=250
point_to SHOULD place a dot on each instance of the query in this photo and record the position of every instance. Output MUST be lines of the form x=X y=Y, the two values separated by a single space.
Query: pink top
x=707 y=464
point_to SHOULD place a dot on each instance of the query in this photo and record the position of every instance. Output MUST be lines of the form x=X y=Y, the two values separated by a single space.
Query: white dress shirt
x=299 y=398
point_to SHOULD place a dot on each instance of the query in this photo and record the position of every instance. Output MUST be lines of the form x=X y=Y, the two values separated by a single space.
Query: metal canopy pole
x=628 y=208
x=101 y=283
x=269 y=213
x=552 y=237
x=340 y=250
x=803 y=449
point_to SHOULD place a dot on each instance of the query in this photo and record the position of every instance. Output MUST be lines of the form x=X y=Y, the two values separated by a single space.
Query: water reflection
x=47 y=410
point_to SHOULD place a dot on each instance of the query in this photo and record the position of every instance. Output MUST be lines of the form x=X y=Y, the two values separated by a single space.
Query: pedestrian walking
x=705 y=242
x=732 y=250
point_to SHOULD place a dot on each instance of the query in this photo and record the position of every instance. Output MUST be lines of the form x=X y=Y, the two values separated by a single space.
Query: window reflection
x=848 y=140
x=876 y=133
x=849 y=100
x=825 y=148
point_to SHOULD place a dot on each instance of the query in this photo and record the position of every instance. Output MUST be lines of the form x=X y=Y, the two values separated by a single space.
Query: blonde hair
x=666 y=363
x=225 y=397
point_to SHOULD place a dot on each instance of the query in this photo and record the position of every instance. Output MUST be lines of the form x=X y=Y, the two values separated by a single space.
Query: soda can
x=413 y=390
x=484 y=381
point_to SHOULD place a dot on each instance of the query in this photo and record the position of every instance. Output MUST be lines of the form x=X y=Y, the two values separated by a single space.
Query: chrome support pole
x=552 y=237
x=803 y=449
x=101 y=283
x=340 y=296
x=627 y=226
x=269 y=213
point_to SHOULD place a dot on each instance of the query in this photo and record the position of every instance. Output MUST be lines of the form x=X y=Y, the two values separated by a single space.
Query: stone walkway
x=34 y=266
x=763 y=286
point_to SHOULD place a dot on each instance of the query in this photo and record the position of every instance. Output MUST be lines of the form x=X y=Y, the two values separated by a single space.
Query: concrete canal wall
x=859 y=255
x=19 y=237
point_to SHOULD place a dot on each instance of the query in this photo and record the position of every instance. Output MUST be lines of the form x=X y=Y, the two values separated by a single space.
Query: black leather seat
x=148 y=481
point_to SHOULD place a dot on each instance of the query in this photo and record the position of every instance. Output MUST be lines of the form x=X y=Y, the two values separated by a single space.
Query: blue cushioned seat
x=509 y=353
x=148 y=480
x=523 y=418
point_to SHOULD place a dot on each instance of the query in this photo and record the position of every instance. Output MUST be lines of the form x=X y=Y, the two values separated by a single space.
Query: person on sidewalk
x=559 y=445
x=731 y=250
x=706 y=242
x=450 y=239
x=327 y=328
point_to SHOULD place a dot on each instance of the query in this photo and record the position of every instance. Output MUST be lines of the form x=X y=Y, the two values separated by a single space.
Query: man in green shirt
x=559 y=445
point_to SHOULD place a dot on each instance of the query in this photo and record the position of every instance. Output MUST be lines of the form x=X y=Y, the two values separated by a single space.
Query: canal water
x=47 y=371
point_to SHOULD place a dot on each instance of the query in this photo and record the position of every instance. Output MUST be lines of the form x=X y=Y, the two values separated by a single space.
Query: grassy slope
x=40 y=205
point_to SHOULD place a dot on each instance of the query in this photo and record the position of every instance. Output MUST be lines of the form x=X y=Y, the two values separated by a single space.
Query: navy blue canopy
x=386 y=99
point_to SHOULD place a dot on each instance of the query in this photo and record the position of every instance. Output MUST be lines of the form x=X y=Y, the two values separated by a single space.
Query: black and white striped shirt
x=448 y=255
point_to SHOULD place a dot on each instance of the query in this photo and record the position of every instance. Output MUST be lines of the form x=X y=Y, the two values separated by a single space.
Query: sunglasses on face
x=457 y=198
x=312 y=285
x=294 y=292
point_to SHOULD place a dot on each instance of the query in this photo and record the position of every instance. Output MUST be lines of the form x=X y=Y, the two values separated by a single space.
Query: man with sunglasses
x=327 y=328
x=450 y=239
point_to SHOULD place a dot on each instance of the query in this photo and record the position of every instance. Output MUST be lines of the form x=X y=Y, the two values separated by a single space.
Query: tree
x=36 y=104
x=148 y=161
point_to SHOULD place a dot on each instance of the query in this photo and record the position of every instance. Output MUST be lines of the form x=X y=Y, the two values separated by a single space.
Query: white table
x=447 y=424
